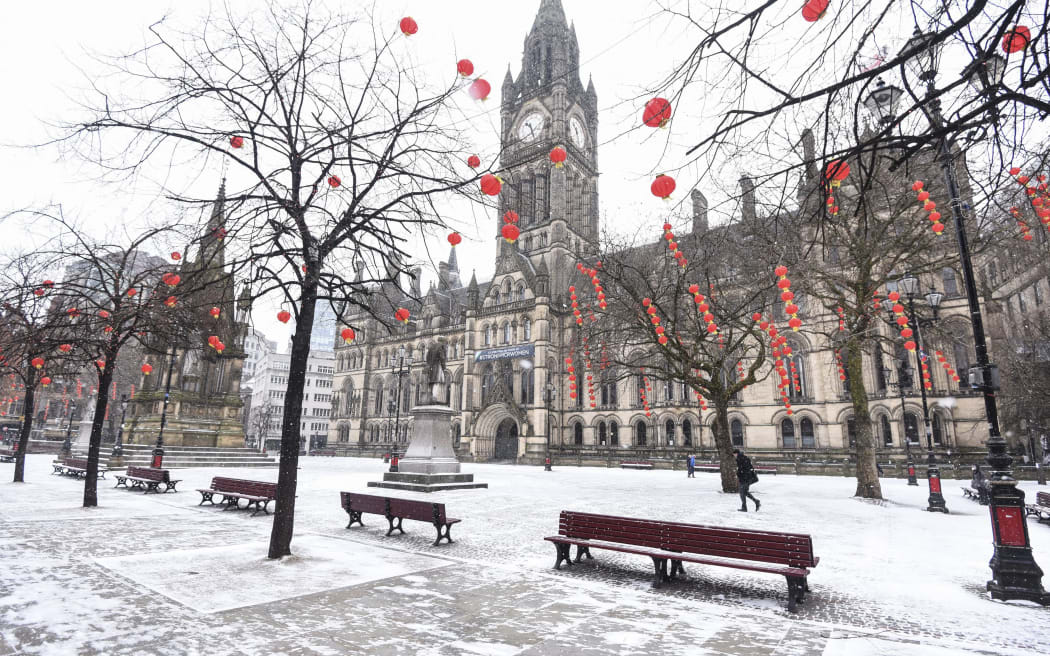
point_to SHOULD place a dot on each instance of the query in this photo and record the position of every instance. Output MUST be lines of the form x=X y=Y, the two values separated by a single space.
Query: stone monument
x=430 y=463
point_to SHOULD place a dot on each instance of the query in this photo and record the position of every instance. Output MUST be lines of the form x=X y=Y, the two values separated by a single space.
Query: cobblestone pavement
x=126 y=577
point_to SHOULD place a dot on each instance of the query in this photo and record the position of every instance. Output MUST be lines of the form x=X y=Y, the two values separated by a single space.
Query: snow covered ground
x=157 y=574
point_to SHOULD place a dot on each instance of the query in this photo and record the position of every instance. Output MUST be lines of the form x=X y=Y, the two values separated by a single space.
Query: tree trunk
x=724 y=447
x=95 y=441
x=23 y=439
x=284 y=506
x=868 y=485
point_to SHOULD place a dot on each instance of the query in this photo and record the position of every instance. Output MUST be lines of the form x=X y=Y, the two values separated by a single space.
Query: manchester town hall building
x=504 y=340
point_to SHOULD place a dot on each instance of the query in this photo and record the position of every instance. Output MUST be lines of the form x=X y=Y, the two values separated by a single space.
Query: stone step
x=191 y=449
x=175 y=464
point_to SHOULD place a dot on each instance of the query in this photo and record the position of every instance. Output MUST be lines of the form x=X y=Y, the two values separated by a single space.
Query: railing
x=514 y=306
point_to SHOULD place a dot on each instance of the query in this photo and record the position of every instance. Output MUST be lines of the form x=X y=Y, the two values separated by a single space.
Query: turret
x=699 y=211
x=748 y=208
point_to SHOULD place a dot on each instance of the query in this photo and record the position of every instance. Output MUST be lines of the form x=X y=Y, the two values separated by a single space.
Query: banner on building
x=505 y=353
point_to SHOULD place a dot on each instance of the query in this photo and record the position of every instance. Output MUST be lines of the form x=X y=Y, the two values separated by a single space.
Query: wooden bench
x=636 y=465
x=257 y=493
x=1041 y=507
x=398 y=510
x=75 y=467
x=147 y=478
x=786 y=554
x=714 y=468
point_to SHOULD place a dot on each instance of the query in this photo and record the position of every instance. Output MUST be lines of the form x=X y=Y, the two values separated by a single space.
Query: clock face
x=531 y=127
x=576 y=131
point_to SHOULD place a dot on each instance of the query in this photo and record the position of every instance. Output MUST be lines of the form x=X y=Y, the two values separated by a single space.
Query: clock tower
x=547 y=106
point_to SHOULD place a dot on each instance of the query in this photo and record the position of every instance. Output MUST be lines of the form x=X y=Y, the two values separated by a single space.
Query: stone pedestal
x=430 y=464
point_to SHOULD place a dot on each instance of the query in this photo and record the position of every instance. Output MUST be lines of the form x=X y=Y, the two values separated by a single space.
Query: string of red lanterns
x=923 y=197
x=788 y=297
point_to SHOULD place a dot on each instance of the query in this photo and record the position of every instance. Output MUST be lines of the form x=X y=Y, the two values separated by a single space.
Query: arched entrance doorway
x=506 y=440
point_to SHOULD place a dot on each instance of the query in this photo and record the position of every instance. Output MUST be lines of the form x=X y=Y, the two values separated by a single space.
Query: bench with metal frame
x=75 y=467
x=147 y=479
x=258 y=494
x=397 y=510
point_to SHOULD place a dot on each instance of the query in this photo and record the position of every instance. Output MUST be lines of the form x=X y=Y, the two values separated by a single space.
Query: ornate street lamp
x=118 y=447
x=67 y=445
x=158 y=450
x=909 y=284
x=903 y=380
x=549 y=394
x=401 y=361
x=882 y=102
x=1015 y=574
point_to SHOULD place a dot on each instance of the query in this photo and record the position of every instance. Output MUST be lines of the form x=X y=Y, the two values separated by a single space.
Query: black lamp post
x=402 y=361
x=158 y=450
x=118 y=446
x=549 y=393
x=67 y=445
x=904 y=380
x=1015 y=574
x=910 y=286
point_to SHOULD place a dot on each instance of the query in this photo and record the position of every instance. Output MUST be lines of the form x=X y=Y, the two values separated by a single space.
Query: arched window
x=669 y=432
x=614 y=434
x=601 y=433
x=787 y=433
x=506 y=333
x=669 y=391
x=528 y=330
x=911 y=427
x=488 y=383
x=887 y=434
x=521 y=293
x=880 y=373
x=809 y=439
x=961 y=349
x=379 y=401
x=488 y=335
x=951 y=283
x=577 y=433
x=457 y=435
x=344 y=433
x=639 y=390
x=798 y=360
x=937 y=425
x=640 y=430
x=687 y=433
x=851 y=431
x=528 y=379
x=609 y=392
x=736 y=432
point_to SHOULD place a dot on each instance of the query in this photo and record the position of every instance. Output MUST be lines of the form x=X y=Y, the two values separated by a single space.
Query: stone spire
x=473 y=293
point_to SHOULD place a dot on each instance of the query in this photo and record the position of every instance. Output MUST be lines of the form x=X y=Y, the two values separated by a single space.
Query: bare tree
x=340 y=149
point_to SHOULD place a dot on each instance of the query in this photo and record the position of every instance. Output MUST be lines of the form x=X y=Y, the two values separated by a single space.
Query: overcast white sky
x=626 y=45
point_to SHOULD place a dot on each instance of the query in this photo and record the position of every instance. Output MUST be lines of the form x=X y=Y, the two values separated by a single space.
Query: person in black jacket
x=746 y=476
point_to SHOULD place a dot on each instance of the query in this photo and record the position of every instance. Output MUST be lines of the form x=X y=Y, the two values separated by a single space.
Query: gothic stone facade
x=505 y=339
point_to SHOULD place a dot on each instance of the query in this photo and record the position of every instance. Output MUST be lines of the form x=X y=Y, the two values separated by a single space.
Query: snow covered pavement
x=156 y=574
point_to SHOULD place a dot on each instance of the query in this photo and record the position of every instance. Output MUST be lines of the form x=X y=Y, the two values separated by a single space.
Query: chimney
x=699 y=211
x=809 y=153
x=443 y=276
x=747 y=199
x=414 y=287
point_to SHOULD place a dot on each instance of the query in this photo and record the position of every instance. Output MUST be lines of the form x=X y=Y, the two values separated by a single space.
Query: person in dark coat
x=746 y=476
x=690 y=464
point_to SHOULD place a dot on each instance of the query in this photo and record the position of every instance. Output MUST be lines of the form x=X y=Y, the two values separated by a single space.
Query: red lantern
x=663 y=186
x=236 y=141
x=103 y=314
x=101 y=364
x=910 y=345
x=45 y=381
x=455 y=238
x=73 y=313
x=171 y=301
x=175 y=255
x=283 y=316
x=795 y=323
x=657 y=113
x=510 y=232
x=334 y=181
x=490 y=184
x=132 y=292
x=147 y=369
x=1016 y=39
x=213 y=340
x=558 y=156
x=38 y=292
x=348 y=335
x=473 y=161
x=215 y=312
x=37 y=362
x=814 y=10
x=917 y=185
x=220 y=347
x=465 y=67
x=408 y=26
x=510 y=217
x=837 y=170
x=479 y=89
x=402 y=315
x=65 y=348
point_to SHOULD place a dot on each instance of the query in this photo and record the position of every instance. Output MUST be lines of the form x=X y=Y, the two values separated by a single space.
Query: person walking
x=690 y=464
x=746 y=476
